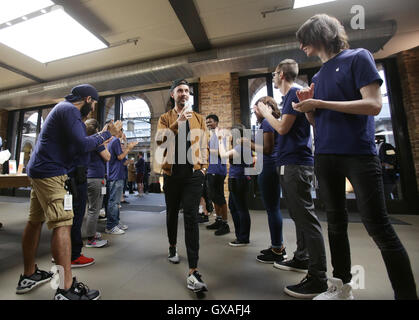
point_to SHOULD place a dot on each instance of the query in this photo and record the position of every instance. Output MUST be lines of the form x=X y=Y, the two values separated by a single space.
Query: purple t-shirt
x=115 y=167
x=294 y=148
x=216 y=165
x=96 y=168
x=269 y=161
x=62 y=138
x=340 y=79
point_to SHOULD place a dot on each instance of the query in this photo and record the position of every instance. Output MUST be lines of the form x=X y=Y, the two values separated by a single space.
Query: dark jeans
x=296 y=185
x=364 y=173
x=206 y=196
x=187 y=191
x=79 y=208
x=131 y=186
x=106 y=198
x=238 y=205
x=268 y=182
x=216 y=188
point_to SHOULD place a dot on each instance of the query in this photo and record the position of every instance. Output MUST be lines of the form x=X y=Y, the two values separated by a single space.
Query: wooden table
x=14 y=181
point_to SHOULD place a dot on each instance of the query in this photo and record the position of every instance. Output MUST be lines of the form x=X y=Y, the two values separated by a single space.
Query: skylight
x=48 y=35
x=12 y=9
x=307 y=3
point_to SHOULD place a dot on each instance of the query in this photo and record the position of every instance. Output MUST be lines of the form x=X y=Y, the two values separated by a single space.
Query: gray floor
x=134 y=266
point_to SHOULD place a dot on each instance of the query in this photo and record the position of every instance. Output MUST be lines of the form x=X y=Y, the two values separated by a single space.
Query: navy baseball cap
x=82 y=91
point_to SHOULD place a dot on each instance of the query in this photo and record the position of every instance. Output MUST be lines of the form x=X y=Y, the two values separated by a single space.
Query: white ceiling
x=226 y=22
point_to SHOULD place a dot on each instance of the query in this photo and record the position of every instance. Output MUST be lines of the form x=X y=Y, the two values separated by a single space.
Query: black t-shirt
x=180 y=168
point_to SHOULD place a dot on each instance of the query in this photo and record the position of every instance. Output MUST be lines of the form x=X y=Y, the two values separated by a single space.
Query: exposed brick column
x=408 y=63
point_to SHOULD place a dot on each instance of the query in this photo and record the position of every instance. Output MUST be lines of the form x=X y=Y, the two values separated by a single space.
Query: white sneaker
x=98 y=236
x=173 y=256
x=95 y=243
x=122 y=226
x=102 y=213
x=115 y=230
x=337 y=291
x=194 y=282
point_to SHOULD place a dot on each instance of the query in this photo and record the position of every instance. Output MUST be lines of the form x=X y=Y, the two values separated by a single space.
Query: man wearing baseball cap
x=183 y=130
x=62 y=138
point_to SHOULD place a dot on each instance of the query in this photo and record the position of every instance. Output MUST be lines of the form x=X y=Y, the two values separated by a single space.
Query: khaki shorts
x=47 y=202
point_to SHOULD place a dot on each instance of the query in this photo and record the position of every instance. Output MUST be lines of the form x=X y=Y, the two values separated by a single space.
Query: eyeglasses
x=274 y=73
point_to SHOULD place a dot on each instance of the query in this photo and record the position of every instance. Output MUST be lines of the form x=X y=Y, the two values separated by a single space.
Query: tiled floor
x=135 y=265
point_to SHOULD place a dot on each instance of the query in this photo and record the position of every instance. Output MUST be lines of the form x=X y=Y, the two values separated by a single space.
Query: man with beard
x=62 y=138
x=184 y=172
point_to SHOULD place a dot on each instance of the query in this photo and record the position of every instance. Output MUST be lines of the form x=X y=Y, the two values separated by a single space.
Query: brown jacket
x=131 y=172
x=199 y=143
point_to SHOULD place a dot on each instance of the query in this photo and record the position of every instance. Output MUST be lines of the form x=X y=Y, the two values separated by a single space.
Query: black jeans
x=79 y=208
x=206 y=196
x=187 y=191
x=364 y=173
x=296 y=186
x=239 y=209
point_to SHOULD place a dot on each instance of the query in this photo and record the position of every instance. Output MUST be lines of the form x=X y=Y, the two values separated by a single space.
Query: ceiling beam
x=20 y=72
x=189 y=18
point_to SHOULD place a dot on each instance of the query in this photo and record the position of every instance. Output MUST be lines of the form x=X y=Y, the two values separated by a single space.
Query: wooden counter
x=14 y=181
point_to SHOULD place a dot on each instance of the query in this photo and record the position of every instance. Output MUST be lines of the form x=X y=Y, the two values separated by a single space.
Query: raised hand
x=306 y=93
x=263 y=109
x=114 y=128
x=132 y=144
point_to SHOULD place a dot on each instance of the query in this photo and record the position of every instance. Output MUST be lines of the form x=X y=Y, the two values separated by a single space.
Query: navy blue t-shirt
x=340 y=79
x=269 y=160
x=115 y=167
x=237 y=164
x=62 y=137
x=96 y=168
x=140 y=166
x=216 y=165
x=294 y=148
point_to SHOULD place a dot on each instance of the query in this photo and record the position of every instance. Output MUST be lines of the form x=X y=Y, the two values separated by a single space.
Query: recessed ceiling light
x=51 y=36
x=12 y=9
x=307 y=3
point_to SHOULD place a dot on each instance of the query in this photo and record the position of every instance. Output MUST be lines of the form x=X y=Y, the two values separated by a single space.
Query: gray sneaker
x=26 y=283
x=194 y=282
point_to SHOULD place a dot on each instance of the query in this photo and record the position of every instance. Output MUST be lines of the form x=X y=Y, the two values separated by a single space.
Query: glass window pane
x=30 y=122
x=109 y=109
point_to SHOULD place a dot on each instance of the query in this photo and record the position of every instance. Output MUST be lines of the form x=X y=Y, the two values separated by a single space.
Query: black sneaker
x=265 y=251
x=237 y=243
x=202 y=218
x=39 y=277
x=308 y=288
x=292 y=265
x=223 y=229
x=78 y=291
x=215 y=225
x=271 y=256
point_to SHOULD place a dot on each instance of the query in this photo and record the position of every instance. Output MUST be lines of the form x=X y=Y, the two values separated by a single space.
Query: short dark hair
x=290 y=69
x=324 y=31
x=213 y=117
x=177 y=83
x=141 y=153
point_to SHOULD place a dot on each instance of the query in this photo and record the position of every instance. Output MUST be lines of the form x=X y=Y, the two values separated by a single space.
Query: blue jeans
x=238 y=206
x=268 y=182
x=115 y=193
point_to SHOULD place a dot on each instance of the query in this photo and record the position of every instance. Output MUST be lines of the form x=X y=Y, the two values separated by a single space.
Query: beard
x=85 y=109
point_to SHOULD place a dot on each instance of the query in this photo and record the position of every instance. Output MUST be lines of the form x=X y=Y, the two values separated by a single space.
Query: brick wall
x=408 y=63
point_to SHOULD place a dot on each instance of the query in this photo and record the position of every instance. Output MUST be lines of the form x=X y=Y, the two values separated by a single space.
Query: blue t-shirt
x=340 y=79
x=96 y=168
x=216 y=165
x=237 y=164
x=269 y=160
x=62 y=137
x=140 y=166
x=294 y=148
x=115 y=167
